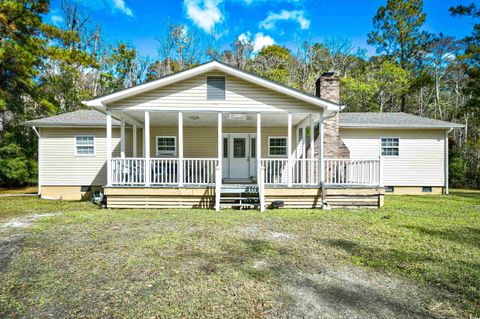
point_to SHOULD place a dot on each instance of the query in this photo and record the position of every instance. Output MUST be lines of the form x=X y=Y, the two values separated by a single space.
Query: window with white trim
x=85 y=145
x=277 y=146
x=166 y=145
x=390 y=146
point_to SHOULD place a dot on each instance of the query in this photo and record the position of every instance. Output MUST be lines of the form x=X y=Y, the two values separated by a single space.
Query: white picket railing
x=353 y=172
x=305 y=171
x=276 y=170
x=202 y=171
x=164 y=171
x=128 y=171
x=199 y=170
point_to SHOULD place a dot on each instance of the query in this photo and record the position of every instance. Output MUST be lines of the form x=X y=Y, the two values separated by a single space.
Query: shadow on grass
x=455 y=275
x=467 y=194
x=461 y=235
x=312 y=296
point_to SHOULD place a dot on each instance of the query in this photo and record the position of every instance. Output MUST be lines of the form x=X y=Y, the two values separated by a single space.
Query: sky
x=142 y=23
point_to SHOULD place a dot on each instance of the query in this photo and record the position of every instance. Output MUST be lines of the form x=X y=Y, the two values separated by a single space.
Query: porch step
x=239 y=195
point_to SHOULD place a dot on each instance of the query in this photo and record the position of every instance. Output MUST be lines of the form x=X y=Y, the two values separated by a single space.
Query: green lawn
x=87 y=262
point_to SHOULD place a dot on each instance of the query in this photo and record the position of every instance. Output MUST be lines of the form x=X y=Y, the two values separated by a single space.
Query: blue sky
x=284 y=22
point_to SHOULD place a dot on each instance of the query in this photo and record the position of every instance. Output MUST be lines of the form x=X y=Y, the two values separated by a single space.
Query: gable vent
x=215 y=88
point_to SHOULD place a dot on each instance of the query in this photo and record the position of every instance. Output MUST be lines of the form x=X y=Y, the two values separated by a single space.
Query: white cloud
x=284 y=15
x=259 y=41
x=121 y=6
x=245 y=37
x=57 y=19
x=204 y=13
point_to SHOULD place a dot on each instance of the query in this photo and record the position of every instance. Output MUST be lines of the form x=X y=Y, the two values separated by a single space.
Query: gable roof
x=81 y=118
x=392 y=120
x=101 y=101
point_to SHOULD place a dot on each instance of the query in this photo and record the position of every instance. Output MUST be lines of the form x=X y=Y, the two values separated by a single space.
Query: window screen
x=390 y=146
x=215 y=88
x=85 y=145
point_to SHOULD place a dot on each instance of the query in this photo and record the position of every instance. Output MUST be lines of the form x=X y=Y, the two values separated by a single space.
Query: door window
x=239 y=146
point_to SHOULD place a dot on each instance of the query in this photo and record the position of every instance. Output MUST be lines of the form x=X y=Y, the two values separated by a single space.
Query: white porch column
x=303 y=166
x=220 y=140
x=218 y=169
x=134 y=137
x=289 y=149
x=146 y=148
x=312 y=149
x=180 y=149
x=109 y=148
x=259 y=144
x=446 y=161
x=321 y=162
x=122 y=138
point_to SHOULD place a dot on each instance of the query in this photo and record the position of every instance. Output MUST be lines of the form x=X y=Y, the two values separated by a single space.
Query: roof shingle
x=76 y=118
x=388 y=120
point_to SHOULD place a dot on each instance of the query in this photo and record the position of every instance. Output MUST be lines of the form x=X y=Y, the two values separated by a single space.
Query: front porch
x=189 y=159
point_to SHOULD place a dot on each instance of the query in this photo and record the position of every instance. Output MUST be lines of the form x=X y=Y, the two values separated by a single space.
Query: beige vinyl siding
x=201 y=142
x=421 y=154
x=192 y=93
x=60 y=166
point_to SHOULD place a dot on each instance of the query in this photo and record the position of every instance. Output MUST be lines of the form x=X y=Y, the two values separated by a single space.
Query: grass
x=87 y=262
x=21 y=190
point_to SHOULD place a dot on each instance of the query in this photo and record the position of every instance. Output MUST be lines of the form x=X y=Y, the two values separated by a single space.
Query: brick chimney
x=328 y=87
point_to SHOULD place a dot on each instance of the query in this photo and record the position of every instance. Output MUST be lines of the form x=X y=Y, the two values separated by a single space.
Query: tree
x=272 y=62
x=180 y=45
x=123 y=68
x=397 y=33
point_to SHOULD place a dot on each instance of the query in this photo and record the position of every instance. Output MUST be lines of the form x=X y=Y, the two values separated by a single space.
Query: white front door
x=240 y=155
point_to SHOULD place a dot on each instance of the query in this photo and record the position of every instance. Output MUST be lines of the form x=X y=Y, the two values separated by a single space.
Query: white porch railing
x=162 y=171
x=202 y=171
x=305 y=171
x=199 y=170
x=276 y=170
x=128 y=171
x=353 y=172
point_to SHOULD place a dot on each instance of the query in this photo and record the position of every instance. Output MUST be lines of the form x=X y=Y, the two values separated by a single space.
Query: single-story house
x=217 y=136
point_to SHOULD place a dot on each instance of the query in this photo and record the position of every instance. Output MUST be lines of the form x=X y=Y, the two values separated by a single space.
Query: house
x=217 y=136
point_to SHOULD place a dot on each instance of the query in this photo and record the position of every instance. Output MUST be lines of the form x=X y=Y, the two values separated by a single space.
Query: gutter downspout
x=39 y=187
x=446 y=161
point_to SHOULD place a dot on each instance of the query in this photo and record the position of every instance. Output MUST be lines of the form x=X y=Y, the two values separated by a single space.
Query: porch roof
x=392 y=120
x=80 y=118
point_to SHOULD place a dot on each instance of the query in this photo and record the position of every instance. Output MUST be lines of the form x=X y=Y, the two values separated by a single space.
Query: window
x=225 y=147
x=166 y=145
x=85 y=145
x=426 y=189
x=389 y=189
x=390 y=146
x=239 y=145
x=215 y=88
x=277 y=146
x=253 y=147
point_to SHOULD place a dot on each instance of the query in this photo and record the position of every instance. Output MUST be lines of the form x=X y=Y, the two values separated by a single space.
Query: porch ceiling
x=210 y=119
